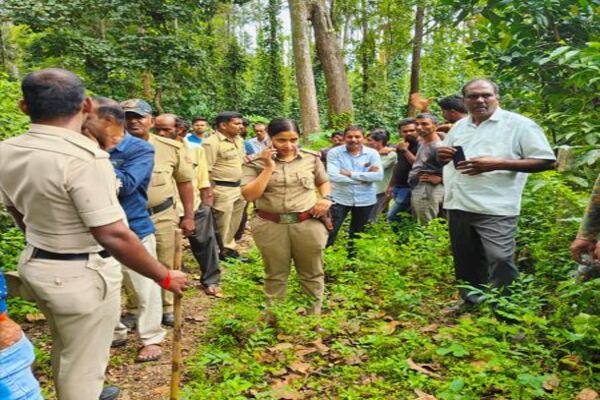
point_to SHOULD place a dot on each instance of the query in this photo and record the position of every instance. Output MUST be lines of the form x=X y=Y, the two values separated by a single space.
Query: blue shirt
x=2 y=293
x=133 y=160
x=248 y=148
x=359 y=189
x=193 y=140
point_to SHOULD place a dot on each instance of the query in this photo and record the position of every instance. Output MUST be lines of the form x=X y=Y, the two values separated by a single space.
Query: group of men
x=471 y=170
x=99 y=187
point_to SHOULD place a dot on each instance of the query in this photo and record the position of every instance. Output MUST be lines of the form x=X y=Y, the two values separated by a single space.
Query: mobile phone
x=274 y=155
x=458 y=156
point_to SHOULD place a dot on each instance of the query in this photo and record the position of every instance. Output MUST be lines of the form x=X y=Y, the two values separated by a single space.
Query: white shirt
x=505 y=135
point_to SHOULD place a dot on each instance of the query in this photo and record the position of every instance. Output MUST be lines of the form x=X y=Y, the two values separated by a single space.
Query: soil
x=137 y=381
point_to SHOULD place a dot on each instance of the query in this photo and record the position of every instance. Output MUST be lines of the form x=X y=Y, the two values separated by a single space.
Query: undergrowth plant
x=382 y=334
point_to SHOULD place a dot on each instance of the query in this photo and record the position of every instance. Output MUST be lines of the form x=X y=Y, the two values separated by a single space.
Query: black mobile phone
x=458 y=156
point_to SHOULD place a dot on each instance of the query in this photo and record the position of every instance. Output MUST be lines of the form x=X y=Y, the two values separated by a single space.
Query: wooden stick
x=176 y=364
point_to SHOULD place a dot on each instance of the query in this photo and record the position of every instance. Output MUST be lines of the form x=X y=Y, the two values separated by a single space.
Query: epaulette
x=168 y=141
x=87 y=145
x=311 y=152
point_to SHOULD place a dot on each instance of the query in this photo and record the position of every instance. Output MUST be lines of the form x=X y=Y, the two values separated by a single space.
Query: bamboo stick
x=176 y=364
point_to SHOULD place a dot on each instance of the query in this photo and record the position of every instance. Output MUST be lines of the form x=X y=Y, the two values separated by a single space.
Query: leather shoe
x=129 y=320
x=168 y=319
x=118 y=343
x=110 y=393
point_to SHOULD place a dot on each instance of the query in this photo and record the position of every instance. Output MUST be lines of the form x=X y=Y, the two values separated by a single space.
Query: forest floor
x=137 y=381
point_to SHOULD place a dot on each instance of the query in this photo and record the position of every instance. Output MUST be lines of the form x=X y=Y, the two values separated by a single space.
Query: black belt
x=48 y=255
x=161 y=207
x=228 y=184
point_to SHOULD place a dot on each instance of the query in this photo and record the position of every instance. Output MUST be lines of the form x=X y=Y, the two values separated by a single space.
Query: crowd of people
x=100 y=186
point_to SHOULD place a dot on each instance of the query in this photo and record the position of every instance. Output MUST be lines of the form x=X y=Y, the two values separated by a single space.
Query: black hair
x=380 y=135
x=430 y=116
x=226 y=117
x=472 y=81
x=453 y=103
x=405 y=121
x=352 y=128
x=278 y=125
x=180 y=122
x=196 y=119
x=245 y=122
x=112 y=107
x=337 y=133
x=52 y=93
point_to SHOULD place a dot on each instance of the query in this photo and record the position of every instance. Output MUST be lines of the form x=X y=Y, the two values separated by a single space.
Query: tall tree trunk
x=415 y=67
x=330 y=55
x=147 y=79
x=364 y=57
x=304 y=71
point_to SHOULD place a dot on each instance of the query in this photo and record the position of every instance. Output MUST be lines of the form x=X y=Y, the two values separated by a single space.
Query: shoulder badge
x=311 y=152
x=87 y=145
x=170 y=142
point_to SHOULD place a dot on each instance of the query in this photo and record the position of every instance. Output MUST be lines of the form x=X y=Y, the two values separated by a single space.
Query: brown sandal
x=153 y=356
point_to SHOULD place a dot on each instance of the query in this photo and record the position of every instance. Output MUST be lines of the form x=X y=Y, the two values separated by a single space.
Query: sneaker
x=168 y=319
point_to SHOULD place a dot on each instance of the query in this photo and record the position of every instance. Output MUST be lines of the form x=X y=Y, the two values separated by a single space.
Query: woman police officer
x=286 y=226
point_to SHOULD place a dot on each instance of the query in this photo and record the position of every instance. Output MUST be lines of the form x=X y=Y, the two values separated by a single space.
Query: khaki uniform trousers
x=147 y=295
x=228 y=208
x=165 y=223
x=279 y=244
x=426 y=201
x=81 y=301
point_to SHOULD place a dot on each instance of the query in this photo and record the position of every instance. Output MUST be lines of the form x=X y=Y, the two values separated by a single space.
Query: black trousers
x=483 y=247
x=205 y=247
x=359 y=219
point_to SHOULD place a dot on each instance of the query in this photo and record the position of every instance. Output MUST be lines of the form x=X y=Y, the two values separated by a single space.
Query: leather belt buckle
x=289 y=218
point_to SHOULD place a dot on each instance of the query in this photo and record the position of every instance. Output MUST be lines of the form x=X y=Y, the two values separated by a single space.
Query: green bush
x=385 y=336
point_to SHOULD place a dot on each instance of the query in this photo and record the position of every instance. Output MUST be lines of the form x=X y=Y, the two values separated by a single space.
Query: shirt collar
x=53 y=130
x=496 y=116
x=222 y=137
x=362 y=149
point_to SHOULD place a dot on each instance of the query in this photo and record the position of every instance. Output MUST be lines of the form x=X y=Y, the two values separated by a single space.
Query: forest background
x=366 y=57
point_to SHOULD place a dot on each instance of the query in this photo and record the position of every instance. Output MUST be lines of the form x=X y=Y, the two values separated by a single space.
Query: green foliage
x=341 y=121
x=384 y=335
x=12 y=120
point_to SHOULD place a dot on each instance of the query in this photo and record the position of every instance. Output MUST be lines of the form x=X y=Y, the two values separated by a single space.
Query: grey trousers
x=483 y=247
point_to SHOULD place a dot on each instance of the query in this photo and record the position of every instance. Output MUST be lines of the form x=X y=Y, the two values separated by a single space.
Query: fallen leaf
x=303 y=351
x=300 y=367
x=390 y=327
x=318 y=344
x=423 y=396
x=571 y=363
x=279 y=372
x=421 y=368
x=551 y=383
x=281 y=347
x=34 y=317
x=286 y=393
x=264 y=357
x=429 y=328
x=353 y=360
x=587 y=394
x=285 y=338
x=196 y=318
x=163 y=391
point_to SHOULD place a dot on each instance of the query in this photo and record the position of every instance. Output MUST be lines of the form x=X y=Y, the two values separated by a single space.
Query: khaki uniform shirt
x=292 y=185
x=170 y=166
x=225 y=157
x=197 y=157
x=63 y=184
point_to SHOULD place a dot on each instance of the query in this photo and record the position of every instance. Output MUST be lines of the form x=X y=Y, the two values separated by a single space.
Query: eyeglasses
x=476 y=96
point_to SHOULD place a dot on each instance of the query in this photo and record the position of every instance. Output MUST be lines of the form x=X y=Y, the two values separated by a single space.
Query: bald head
x=52 y=94
x=165 y=125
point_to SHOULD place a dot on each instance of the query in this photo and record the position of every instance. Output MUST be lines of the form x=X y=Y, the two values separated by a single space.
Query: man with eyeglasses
x=487 y=157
